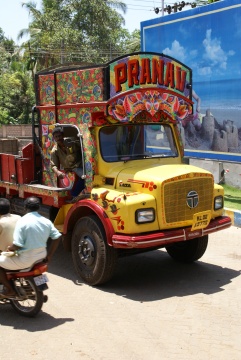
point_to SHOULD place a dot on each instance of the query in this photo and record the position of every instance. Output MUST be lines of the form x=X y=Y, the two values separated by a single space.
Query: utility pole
x=163 y=7
x=62 y=60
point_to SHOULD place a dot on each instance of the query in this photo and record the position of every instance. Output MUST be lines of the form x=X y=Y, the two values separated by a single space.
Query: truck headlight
x=145 y=216
x=218 y=202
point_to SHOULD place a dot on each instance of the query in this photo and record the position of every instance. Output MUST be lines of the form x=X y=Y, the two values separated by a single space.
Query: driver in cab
x=67 y=156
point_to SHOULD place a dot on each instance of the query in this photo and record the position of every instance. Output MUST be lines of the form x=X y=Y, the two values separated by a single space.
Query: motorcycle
x=29 y=285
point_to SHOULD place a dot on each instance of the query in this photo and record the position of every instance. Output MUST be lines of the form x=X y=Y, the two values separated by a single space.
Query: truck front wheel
x=188 y=251
x=94 y=260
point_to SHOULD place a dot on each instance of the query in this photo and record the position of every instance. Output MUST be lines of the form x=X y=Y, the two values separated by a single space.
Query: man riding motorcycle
x=29 y=243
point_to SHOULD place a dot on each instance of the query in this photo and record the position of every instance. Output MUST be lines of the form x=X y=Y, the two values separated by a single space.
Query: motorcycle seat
x=26 y=269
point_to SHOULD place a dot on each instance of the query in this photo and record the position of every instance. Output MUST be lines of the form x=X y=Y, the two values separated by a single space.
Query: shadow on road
x=144 y=278
x=42 y=322
x=153 y=276
x=62 y=265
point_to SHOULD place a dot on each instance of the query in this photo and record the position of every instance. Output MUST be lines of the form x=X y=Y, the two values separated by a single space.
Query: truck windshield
x=130 y=142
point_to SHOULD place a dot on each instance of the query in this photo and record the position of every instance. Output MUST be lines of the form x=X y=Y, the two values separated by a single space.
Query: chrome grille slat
x=175 y=198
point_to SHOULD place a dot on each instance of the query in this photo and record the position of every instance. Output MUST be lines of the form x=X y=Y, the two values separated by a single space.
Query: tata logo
x=125 y=185
x=192 y=199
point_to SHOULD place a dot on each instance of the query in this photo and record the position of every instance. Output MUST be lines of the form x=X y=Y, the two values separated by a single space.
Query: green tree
x=134 y=42
x=16 y=87
x=4 y=60
x=87 y=31
x=73 y=30
x=16 y=98
x=10 y=58
x=1 y=35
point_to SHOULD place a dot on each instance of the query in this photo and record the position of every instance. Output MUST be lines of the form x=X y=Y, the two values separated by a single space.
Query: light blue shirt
x=33 y=230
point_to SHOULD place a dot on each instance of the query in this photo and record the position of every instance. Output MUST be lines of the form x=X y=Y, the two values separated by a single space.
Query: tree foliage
x=72 y=30
x=16 y=86
x=16 y=98
x=83 y=31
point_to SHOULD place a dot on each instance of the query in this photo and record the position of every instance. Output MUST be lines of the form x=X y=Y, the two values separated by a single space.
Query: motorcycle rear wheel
x=32 y=298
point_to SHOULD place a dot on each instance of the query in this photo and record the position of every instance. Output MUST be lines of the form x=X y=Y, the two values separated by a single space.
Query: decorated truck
x=140 y=193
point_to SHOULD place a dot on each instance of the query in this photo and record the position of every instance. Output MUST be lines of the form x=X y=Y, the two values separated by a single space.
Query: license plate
x=201 y=220
x=41 y=279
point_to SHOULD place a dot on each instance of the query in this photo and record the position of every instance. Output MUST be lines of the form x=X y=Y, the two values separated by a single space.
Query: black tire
x=94 y=260
x=32 y=298
x=188 y=251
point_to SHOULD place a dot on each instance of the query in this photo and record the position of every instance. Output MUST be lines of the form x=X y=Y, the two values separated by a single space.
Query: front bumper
x=162 y=238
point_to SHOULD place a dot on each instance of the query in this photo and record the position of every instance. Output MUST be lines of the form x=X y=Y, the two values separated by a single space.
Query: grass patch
x=232 y=197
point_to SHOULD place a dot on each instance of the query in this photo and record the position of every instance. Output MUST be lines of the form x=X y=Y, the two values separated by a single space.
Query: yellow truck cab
x=139 y=193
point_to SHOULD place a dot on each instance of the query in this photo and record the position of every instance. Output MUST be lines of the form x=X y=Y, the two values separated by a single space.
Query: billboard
x=207 y=39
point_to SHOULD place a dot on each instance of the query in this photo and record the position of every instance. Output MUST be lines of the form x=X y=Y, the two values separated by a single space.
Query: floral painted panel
x=153 y=102
x=46 y=92
x=80 y=86
x=80 y=117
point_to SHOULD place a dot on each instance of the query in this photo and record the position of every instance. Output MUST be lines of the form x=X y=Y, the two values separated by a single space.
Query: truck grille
x=175 y=198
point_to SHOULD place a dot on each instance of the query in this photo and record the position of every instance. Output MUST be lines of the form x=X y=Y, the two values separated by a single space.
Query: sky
x=14 y=17
x=207 y=39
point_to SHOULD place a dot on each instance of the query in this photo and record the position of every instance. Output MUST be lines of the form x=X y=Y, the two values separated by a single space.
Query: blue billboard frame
x=215 y=21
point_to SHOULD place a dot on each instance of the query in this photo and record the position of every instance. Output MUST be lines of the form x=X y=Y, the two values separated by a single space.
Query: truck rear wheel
x=188 y=251
x=94 y=260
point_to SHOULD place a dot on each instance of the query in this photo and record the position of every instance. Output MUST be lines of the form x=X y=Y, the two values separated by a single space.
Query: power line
x=138 y=5
x=151 y=1
x=145 y=1
x=172 y=6
x=68 y=52
x=176 y=7
x=139 y=9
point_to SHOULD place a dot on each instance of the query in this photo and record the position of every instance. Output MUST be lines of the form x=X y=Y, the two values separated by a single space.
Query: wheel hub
x=86 y=251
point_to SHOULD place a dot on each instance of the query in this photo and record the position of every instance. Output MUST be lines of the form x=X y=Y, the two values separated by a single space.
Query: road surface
x=154 y=308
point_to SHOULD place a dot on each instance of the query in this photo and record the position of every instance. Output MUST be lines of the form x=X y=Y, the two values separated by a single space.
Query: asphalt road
x=154 y=308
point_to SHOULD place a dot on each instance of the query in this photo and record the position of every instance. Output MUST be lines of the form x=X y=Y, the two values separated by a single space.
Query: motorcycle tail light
x=40 y=269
